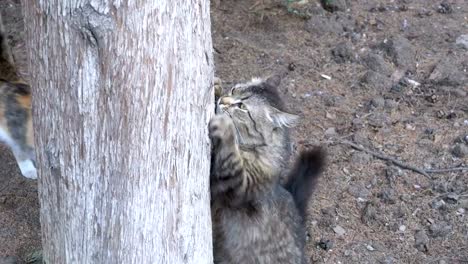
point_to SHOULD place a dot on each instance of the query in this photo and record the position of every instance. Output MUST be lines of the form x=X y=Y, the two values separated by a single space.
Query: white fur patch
x=256 y=81
x=253 y=82
x=28 y=169
x=5 y=137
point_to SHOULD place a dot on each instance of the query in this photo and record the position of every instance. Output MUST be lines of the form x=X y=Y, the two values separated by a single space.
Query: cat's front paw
x=221 y=130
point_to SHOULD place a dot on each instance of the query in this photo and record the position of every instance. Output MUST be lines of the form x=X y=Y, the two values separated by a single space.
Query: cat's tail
x=7 y=66
x=304 y=176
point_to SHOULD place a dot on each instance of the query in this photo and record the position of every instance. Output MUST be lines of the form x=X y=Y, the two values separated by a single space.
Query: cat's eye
x=240 y=105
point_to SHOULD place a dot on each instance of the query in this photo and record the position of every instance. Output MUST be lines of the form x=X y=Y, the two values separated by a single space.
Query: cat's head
x=258 y=113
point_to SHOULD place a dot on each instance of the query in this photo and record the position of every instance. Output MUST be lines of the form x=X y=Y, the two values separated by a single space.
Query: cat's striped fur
x=15 y=110
x=256 y=220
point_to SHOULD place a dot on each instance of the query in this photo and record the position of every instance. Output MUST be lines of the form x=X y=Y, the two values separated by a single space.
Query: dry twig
x=387 y=158
x=401 y=164
x=447 y=170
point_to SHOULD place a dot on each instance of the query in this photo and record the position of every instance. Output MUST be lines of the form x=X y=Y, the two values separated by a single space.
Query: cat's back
x=267 y=231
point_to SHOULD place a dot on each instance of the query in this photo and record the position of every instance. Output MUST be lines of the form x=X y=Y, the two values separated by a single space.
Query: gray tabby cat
x=256 y=219
x=15 y=111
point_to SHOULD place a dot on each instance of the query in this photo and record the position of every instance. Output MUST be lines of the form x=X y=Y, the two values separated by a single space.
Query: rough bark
x=122 y=97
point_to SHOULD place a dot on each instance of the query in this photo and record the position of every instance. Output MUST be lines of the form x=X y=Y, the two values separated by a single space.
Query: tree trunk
x=122 y=98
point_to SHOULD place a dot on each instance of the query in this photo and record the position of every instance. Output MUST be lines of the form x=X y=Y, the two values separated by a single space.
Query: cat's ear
x=273 y=81
x=282 y=119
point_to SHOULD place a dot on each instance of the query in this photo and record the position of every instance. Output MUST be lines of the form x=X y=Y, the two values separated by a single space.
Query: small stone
x=359 y=191
x=357 y=123
x=460 y=151
x=457 y=186
x=410 y=127
x=370 y=248
x=405 y=197
x=378 y=120
x=331 y=131
x=421 y=240
x=424 y=13
x=320 y=25
x=377 y=63
x=438 y=204
x=440 y=229
x=343 y=53
x=334 y=5
x=328 y=218
x=400 y=87
x=331 y=116
x=463 y=203
x=461 y=211
x=401 y=51
x=446 y=73
x=444 y=8
x=325 y=244
x=388 y=195
x=378 y=102
x=452 y=198
x=369 y=213
x=387 y=260
x=376 y=80
x=402 y=228
x=330 y=100
x=339 y=230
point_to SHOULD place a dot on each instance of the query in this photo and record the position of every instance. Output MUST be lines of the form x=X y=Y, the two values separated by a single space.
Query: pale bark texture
x=122 y=97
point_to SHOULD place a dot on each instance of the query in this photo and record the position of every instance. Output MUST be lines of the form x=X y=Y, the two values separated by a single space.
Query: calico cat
x=256 y=220
x=15 y=111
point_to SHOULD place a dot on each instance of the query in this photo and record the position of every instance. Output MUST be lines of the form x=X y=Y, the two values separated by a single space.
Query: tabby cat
x=256 y=220
x=15 y=111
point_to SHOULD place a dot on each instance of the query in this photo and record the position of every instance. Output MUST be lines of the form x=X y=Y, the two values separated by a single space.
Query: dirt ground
x=389 y=77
